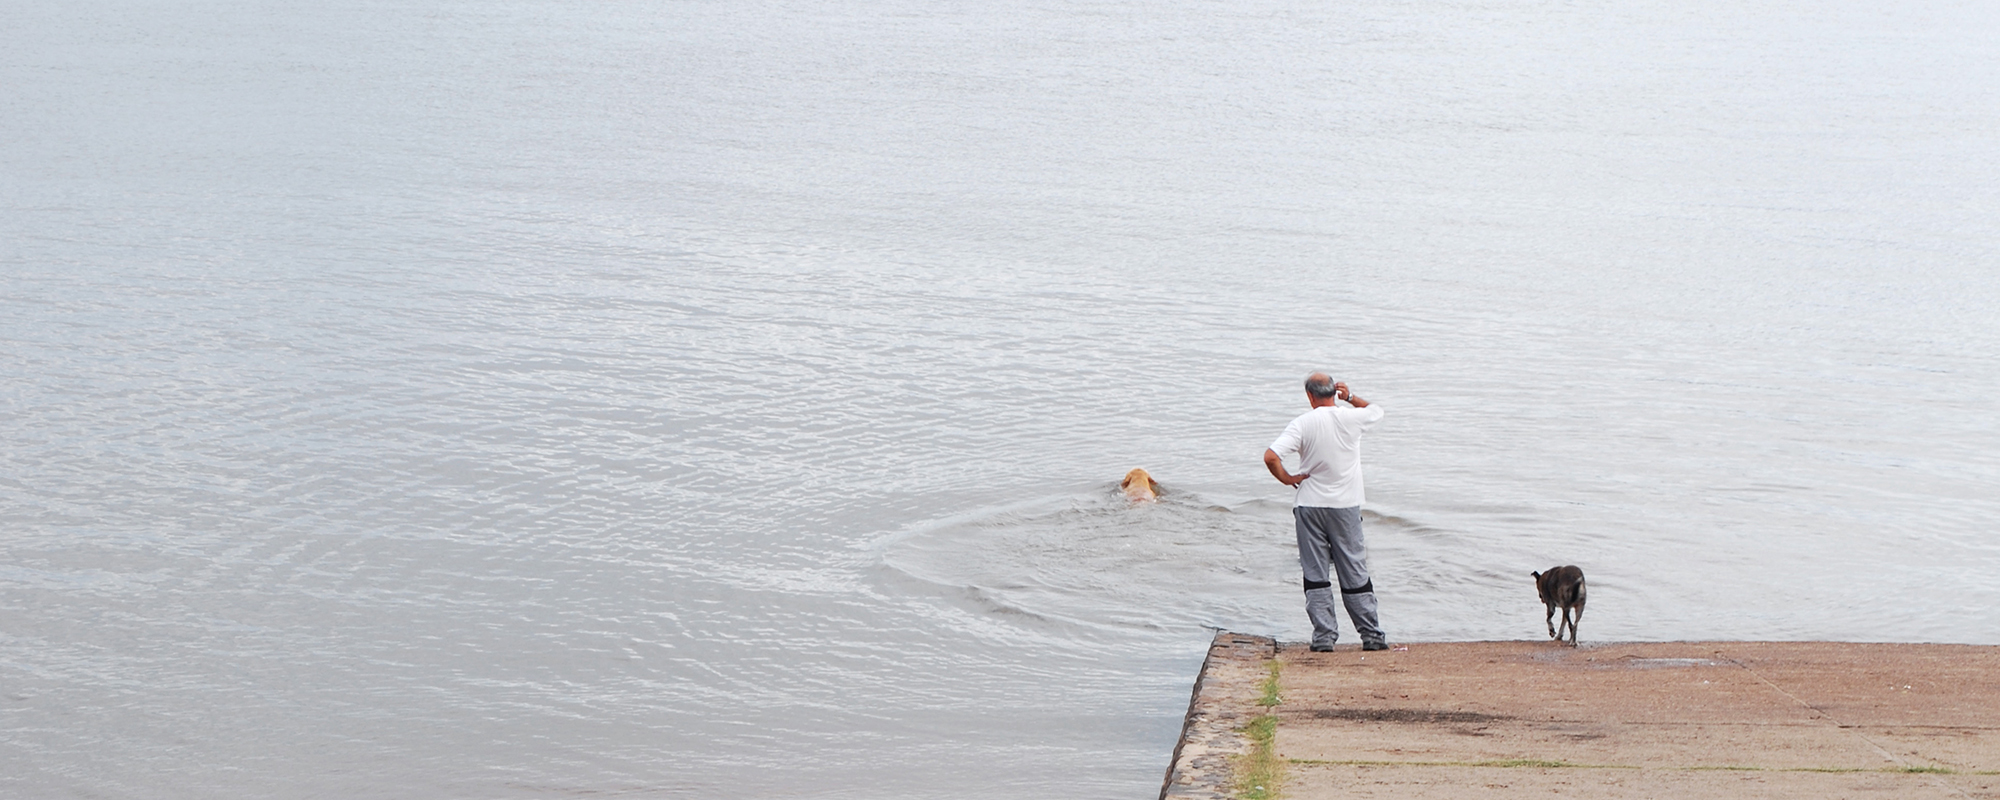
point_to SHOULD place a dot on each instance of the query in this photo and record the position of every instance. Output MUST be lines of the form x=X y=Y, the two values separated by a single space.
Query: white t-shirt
x=1327 y=441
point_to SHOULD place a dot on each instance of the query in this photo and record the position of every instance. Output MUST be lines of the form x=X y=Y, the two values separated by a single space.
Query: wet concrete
x=1700 y=719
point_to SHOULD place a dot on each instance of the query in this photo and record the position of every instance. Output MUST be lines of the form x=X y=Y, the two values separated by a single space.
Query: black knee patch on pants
x=1366 y=588
x=1311 y=585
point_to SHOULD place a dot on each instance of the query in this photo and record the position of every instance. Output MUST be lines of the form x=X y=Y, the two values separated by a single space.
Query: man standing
x=1327 y=510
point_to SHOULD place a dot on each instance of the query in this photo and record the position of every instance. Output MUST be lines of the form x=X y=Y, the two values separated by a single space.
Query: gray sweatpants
x=1331 y=537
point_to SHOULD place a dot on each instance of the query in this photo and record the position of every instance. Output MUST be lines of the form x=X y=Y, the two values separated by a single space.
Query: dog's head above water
x=1140 y=487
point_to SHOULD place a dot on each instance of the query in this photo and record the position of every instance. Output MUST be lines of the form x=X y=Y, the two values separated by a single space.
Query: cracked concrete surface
x=1225 y=699
x=1716 y=719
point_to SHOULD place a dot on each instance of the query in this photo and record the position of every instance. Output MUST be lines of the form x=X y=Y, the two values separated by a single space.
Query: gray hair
x=1319 y=385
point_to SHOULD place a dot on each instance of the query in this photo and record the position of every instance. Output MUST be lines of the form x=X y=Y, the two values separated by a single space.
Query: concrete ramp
x=1695 y=719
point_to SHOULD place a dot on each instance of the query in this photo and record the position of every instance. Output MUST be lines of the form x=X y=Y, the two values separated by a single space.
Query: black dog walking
x=1562 y=588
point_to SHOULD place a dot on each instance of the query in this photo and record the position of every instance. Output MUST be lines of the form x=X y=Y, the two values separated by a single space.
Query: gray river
x=667 y=398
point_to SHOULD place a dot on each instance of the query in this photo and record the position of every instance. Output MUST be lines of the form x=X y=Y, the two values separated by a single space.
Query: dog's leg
x=1551 y=620
x=1573 y=624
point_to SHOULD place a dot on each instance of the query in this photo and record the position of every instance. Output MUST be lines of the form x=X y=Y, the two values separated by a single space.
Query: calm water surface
x=664 y=398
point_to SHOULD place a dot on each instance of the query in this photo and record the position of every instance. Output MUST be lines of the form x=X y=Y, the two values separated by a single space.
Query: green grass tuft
x=1270 y=697
x=1259 y=773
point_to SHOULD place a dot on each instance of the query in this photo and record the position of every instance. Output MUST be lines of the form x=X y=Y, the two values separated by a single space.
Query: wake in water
x=1101 y=561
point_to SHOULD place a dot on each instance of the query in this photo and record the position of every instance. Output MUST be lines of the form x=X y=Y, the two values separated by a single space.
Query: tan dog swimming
x=1140 y=487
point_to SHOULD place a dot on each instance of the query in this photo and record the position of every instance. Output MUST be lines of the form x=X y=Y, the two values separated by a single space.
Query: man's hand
x=1277 y=467
x=1340 y=392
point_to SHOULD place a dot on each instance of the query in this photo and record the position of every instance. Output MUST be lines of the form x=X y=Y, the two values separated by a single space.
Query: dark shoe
x=1322 y=648
x=1374 y=645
